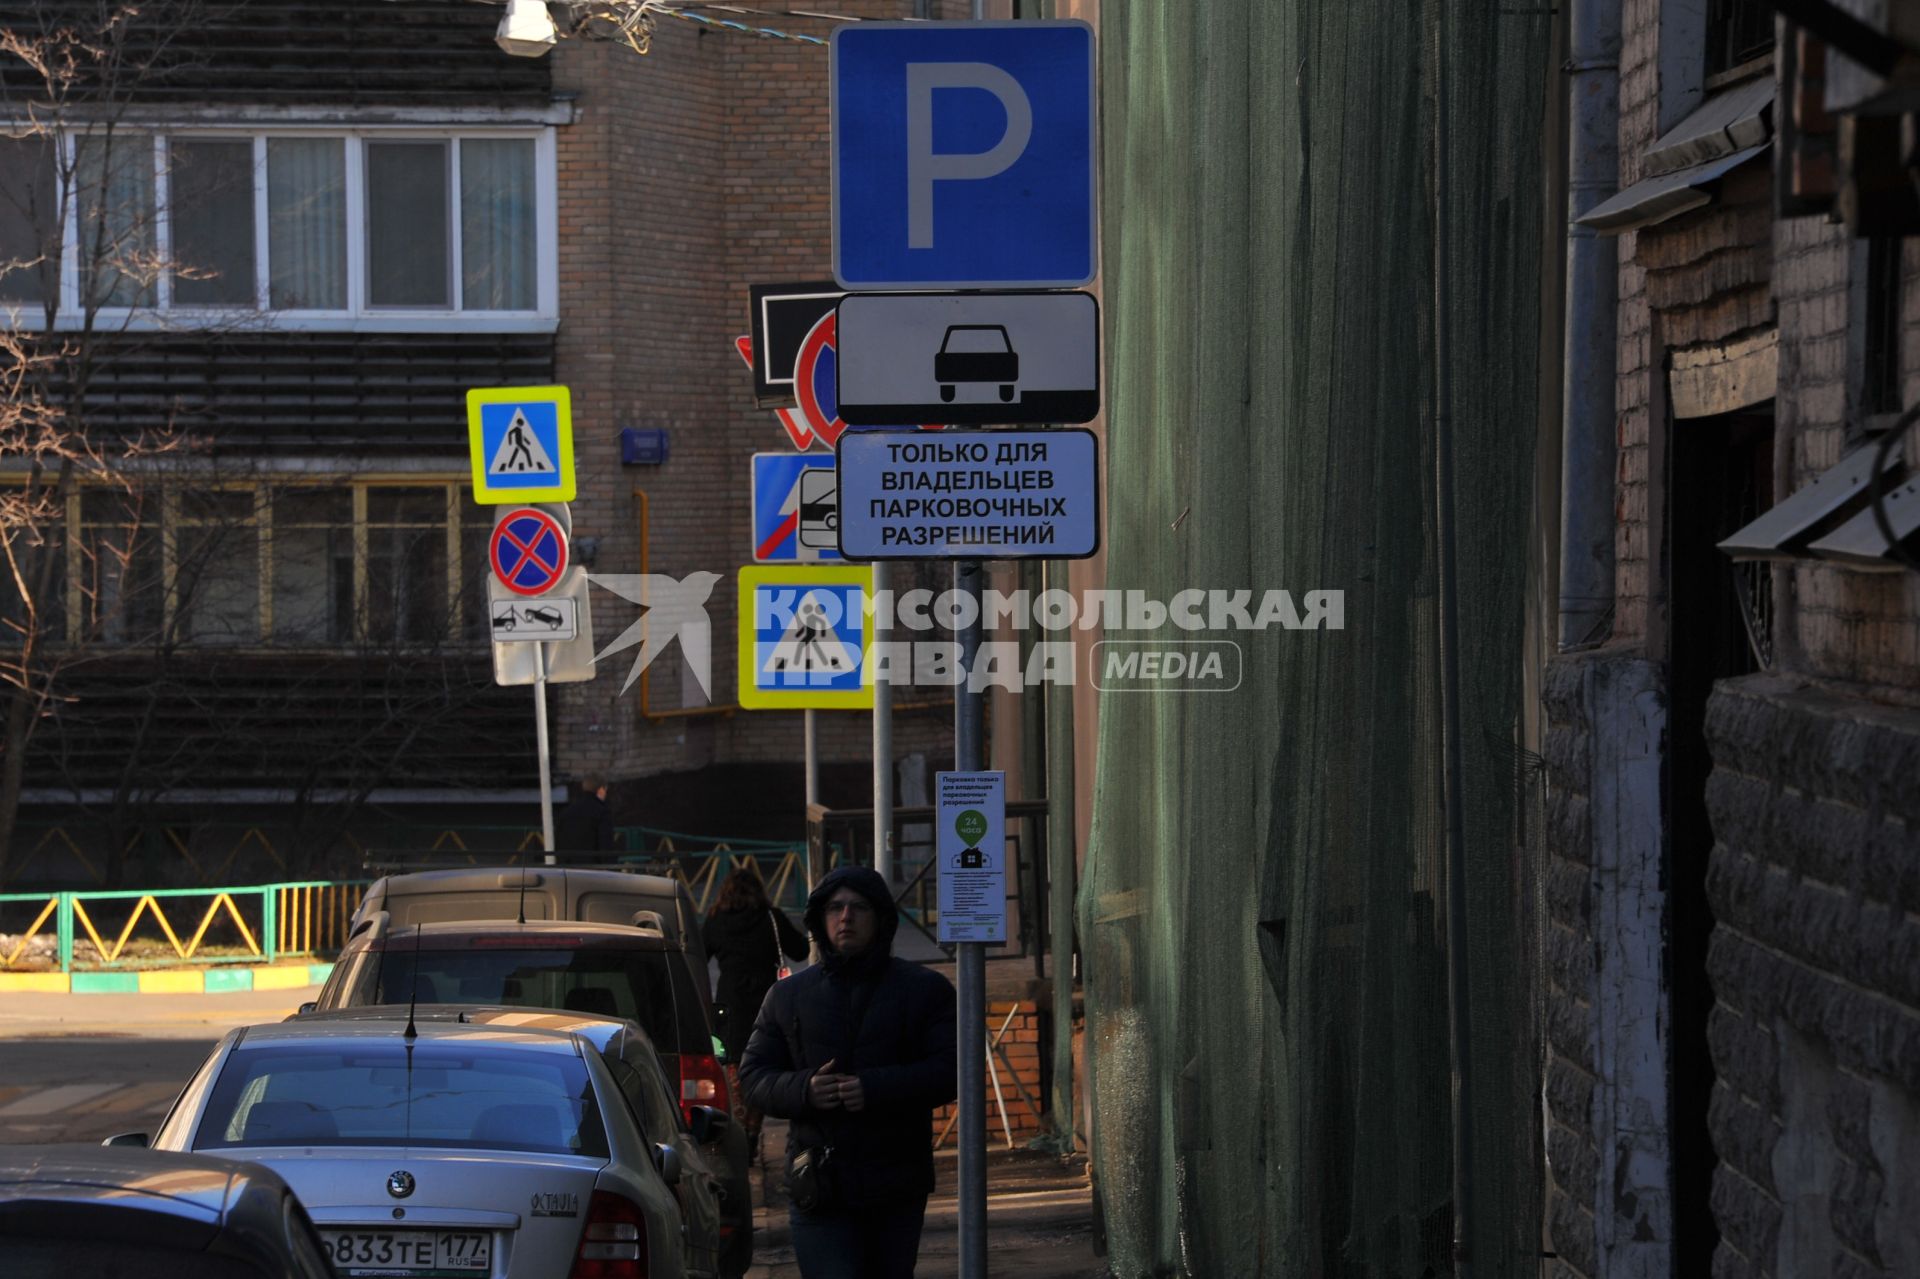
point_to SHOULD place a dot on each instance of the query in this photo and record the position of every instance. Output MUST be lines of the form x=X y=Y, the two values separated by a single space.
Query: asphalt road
x=83 y=1067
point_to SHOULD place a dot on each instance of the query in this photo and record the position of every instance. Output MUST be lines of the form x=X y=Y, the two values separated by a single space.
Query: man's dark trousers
x=858 y=1245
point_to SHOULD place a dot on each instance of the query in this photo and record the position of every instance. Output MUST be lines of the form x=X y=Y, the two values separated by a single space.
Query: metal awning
x=1859 y=543
x=1723 y=133
x=1830 y=504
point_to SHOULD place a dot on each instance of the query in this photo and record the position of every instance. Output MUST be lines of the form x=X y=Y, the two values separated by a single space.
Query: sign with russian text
x=970 y=834
x=998 y=495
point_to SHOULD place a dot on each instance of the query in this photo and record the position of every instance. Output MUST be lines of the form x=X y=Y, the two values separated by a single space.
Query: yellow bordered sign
x=805 y=633
x=521 y=442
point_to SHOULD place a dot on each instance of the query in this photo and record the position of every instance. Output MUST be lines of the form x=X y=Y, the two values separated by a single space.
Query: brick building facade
x=693 y=173
x=663 y=185
x=1732 y=1010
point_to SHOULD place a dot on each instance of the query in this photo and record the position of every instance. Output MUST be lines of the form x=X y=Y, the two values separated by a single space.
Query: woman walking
x=748 y=936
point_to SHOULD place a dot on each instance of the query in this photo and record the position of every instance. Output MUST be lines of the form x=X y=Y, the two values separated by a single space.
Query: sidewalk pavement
x=1039 y=1216
x=152 y=1016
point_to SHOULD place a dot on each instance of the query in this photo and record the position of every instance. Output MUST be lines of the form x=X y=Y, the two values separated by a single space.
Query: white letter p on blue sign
x=925 y=166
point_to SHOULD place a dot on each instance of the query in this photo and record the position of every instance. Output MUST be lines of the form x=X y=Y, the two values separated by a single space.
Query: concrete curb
x=169 y=981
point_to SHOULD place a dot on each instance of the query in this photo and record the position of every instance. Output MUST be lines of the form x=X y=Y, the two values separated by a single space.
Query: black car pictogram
x=547 y=617
x=976 y=353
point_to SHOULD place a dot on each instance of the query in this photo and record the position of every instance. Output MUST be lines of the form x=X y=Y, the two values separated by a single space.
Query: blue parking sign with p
x=963 y=155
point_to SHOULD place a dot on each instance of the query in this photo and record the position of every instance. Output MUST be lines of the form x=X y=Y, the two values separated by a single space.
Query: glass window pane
x=217 y=568
x=313 y=566
x=29 y=221
x=407 y=217
x=210 y=202
x=307 y=224
x=119 y=569
x=497 y=269
x=115 y=193
x=476 y=531
x=407 y=565
x=440 y=1095
x=35 y=544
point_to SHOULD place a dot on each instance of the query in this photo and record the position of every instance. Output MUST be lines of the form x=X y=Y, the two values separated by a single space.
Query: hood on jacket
x=868 y=884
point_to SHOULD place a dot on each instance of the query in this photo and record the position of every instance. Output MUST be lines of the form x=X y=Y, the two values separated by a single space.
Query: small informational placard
x=523 y=621
x=969 y=494
x=970 y=833
x=982 y=358
x=561 y=661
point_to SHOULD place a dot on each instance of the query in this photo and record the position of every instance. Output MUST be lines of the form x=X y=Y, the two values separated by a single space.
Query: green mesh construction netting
x=1263 y=906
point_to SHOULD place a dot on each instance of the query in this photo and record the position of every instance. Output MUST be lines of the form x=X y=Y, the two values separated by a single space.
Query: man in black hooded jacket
x=857 y=1051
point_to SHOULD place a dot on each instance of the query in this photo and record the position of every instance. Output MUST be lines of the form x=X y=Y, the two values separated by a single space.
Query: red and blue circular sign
x=528 y=550
x=816 y=389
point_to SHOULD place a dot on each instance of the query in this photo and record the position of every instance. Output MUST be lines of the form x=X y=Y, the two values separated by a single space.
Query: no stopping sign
x=528 y=551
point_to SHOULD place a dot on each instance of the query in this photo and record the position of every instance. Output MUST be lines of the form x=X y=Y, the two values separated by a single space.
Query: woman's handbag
x=779 y=956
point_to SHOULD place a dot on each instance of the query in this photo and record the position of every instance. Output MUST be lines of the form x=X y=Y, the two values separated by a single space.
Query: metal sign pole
x=882 y=751
x=1446 y=534
x=546 y=753
x=810 y=730
x=969 y=755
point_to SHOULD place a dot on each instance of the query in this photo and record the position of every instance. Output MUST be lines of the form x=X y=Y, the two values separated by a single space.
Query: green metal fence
x=267 y=921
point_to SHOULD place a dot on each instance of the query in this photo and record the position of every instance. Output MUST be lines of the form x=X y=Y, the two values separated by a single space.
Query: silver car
x=498 y=1151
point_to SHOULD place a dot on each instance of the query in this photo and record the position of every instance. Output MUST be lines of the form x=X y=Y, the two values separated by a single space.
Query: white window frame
x=359 y=316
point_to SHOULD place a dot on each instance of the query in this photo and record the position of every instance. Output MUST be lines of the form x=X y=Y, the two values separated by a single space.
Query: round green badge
x=972 y=826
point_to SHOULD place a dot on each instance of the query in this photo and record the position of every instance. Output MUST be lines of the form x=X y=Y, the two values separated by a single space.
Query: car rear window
x=455 y=1096
x=651 y=987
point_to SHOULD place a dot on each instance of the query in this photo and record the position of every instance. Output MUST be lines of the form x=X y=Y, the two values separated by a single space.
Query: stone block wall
x=1572 y=1160
x=1815 y=962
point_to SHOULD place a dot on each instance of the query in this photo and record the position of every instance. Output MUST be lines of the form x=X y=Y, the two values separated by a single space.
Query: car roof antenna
x=413 y=998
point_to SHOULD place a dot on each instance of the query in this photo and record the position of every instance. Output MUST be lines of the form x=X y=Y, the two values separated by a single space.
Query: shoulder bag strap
x=781 y=969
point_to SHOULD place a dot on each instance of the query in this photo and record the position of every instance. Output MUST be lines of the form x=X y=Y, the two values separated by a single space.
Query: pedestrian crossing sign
x=521 y=440
x=804 y=637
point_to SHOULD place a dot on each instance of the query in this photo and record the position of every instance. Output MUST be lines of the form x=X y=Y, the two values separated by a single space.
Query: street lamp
x=526 y=30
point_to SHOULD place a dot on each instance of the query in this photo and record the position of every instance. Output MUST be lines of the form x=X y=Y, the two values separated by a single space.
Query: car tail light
x=703 y=1082
x=614 y=1243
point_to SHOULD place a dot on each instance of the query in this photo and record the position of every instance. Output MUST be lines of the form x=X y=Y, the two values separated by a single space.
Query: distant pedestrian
x=748 y=936
x=585 y=823
x=858 y=1052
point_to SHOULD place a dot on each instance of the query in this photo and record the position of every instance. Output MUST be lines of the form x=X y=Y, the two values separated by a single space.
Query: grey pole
x=1060 y=885
x=969 y=753
x=1593 y=269
x=882 y=747
x=971 y=1137
x=810 y=731
x=1458 y=977
x=546 y=753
